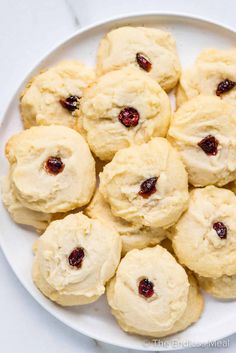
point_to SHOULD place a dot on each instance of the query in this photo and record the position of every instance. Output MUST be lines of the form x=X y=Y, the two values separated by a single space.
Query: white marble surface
x=28 y=29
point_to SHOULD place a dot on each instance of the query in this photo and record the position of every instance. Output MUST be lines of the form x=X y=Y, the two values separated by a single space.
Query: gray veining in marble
x=73 y=13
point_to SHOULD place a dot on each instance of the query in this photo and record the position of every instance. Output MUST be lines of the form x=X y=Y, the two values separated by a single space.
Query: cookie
x=149 y=292
x=53 y=96
x=52 y=168
x=133 y=236
x=193 y=311
x=214 y=73
x=204 y=238
x=19 y=213
x=223 y=287
x=203 y=130
x=150 y=50
x=146 y=184
x=74 y=259
x=23 y=215
x=123 y=108
x=195 y=302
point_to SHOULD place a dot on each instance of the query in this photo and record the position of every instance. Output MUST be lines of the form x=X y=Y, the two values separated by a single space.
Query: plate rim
x=27 y=75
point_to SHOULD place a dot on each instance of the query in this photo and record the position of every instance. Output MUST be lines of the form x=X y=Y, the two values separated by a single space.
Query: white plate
x=95 y=320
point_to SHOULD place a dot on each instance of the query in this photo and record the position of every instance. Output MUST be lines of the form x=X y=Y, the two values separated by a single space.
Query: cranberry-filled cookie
x=204 y=239
x=150 y=293
x=150 y=50
x=214 y=73
x=53 y=96
x=52 y=168
x=74 y=259
x=204 y=132
x=146 y=184
x=133 y=236
x=123 y=108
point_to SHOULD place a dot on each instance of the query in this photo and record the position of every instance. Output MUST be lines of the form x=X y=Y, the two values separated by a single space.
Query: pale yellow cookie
x=212 y=68
x=193 y=311
x=75 y=258
x=23 y=215
x=123 y=108
x=133 y=236
x=204 y=239
x=146 y=184
x=223 y=287
x=52 y=168
x=53 y=96
x=19 y=213
x=149 y=49
x=149 y=292
x=195 y=303
x=203 y=130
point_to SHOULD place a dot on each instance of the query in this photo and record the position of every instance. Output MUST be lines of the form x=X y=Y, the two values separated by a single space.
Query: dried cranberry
x=71 y=103
x=209 y=145
x=129 y=117
x=225 y=86
x=221 y=230
x=76 y=257
x=143 y=62
x=145 y=288
x=148 y=187
x=54 y=165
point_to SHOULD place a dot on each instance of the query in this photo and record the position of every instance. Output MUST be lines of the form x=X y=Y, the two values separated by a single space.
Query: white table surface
x=28 y=29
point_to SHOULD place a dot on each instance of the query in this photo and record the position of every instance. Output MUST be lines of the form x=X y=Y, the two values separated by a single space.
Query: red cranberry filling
x=209 y=145
x=225 y=86
x=71 y=103
x=221 y=230
x=143 y=62
x=54 y=165
x=145 y=288
x=148 y=187
x=129 y=117
x=76 y=257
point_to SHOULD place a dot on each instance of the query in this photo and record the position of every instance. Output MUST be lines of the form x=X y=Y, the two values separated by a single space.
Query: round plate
x=95 y=320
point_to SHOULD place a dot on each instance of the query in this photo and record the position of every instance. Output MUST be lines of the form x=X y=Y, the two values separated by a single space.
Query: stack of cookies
x=162 y=220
